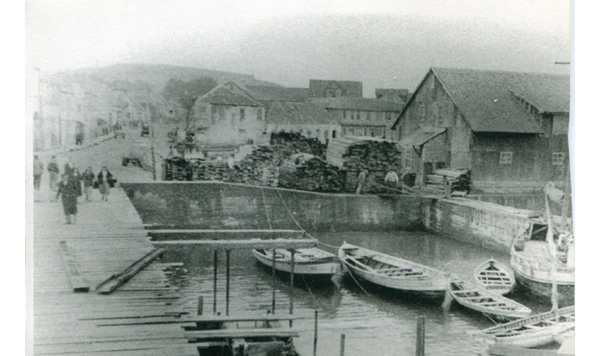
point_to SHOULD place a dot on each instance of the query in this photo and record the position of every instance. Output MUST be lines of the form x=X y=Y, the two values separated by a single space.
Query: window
x=368 y=115
x=351 y=115
x=365 y=132
x=259 y=114
x=358 y=115
x=308 y=133
x=330 y=93
x=326 y=134
x=338 y=93
x=242 y=114
x=558 y=158
x=344 y=114
x=506 y=157
x=389 y=116
x=213 y=114
x=352 y=132
x=372 y=132
x=333 y=134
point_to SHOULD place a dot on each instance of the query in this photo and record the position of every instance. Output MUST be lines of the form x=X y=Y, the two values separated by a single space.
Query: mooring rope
x=311 y=293
x=262 y=191
x=288 y=211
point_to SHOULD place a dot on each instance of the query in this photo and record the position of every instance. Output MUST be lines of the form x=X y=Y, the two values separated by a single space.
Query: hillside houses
x=510 y=129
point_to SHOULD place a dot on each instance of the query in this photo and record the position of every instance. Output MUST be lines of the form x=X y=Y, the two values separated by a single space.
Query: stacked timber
x=459 y=180
x=294 y=142
x=313 y=174
x=378 y=157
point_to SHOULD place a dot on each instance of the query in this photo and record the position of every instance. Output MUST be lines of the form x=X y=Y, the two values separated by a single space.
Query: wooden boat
x=489 y=303
x=308 y=261
x=532 y=331
x=531 y=262
x=560 y=336
x=495 y=277
x=393 y=272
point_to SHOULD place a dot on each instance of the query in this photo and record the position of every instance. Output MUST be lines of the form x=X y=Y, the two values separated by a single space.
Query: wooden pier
x=107 y=250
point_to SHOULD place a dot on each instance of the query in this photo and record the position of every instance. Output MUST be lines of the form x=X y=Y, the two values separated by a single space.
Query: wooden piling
x=215 y=283
x=292 y=287
x=342 y=344
x=273 y=306
x=421 y=336
x=316 y=332
x=200 y=305
x=227 y=253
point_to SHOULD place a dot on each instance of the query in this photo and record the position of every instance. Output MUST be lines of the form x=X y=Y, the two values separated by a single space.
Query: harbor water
x=375 y=321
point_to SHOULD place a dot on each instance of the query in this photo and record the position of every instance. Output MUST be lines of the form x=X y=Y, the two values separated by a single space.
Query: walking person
x=362 y=176
x=38 y=170
x=104 y=178
x=68 y=167
x=53 y=173
x=67 y=189
x=88 y=178
x=77 y=180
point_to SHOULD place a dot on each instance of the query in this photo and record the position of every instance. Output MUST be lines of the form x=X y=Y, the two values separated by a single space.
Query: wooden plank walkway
x=106 y=239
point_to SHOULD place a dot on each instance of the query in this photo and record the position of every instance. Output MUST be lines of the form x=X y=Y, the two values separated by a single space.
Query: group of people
x=72 y=184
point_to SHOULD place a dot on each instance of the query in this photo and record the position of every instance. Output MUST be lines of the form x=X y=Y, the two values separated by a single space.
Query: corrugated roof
x=224 y=96
x=263 y=93
x=364 y=104
x=487 y=102
x=298 y=113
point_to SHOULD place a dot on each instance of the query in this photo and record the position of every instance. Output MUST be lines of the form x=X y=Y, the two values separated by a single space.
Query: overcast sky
x=381 y=43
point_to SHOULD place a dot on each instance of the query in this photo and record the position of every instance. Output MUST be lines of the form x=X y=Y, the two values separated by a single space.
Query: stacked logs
x=314 y=175
x=459 y=180
x=378 y=157
x=293 y=142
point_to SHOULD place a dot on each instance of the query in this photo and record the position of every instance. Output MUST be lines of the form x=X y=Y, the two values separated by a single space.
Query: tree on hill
x=186 y=93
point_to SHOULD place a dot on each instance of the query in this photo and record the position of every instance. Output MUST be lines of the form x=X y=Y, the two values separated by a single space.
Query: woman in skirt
x=104 y=179
x=68 y=189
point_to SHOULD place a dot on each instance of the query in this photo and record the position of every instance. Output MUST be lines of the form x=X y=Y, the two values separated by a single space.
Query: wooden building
x=509 y=128
x=335 y=89
x=310 y=120
x=229 y=115
x=362 y=116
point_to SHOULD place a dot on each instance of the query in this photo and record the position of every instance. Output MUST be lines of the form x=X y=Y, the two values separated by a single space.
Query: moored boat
x=495 y=277
x=489 y=303
x=393 y=272
x=533 y=264
x=308 y=261
x=533 y=331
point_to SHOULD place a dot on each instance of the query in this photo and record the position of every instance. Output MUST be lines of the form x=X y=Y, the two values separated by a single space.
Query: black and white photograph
x=302 y=178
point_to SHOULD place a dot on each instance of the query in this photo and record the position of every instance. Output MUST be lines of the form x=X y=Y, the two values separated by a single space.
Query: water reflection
x=376 y=321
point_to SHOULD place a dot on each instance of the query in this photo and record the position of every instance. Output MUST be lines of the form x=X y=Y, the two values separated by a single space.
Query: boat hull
x=495 y=277
x=566 y=292
x=315 y=269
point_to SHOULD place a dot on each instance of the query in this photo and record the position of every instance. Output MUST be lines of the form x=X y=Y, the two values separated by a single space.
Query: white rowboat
x=495 y=277
x=393 y=272
x=532 y=331
x=493 y=305
x=308 y=261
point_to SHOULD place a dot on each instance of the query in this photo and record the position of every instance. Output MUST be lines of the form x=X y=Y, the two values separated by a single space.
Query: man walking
x=362 y=176
x=53 y=173
x=38 y=170
x=88 y=178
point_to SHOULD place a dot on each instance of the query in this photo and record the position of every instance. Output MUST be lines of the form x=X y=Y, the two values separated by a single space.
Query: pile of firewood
x=458 y=179
x=313 y=175
x=378 y=157
x=290 y=143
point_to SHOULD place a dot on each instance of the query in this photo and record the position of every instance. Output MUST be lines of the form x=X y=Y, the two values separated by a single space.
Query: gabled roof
x=298 y=113
x=221 y=95
x=489 y=100
x=262 y=93
x=364 y=104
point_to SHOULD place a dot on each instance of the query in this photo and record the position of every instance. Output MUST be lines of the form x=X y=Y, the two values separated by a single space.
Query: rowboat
x=532 y=331
x=489 y=303
x=560 y=336
x=495 y=277
x=533 y=264
x=393 y=272
x=308 y=261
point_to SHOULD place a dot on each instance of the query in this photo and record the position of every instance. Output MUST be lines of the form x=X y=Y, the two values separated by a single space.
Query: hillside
x=155 y=77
